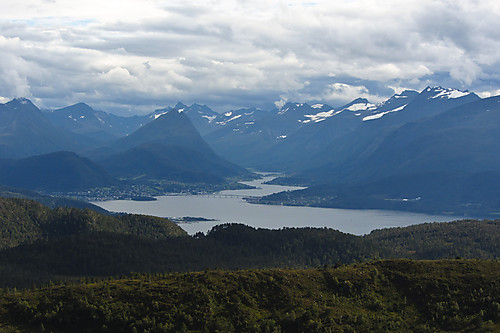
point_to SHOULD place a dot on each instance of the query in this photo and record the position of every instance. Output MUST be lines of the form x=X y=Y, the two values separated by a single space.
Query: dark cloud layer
x=133 y=56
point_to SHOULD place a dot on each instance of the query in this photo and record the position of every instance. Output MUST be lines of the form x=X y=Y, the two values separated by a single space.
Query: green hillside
x=118 y=246
x=466 y=239
x=48 y=200
x=25 y=221
x=288 y=280
x=381 y=296
x=57 y=172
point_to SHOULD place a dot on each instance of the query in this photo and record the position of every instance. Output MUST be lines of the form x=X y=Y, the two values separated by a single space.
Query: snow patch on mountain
x=316 y=118
x=381 y=114
x=209 y=118
x=361 y=107
x=450 y=93
x=283 y=111
x=230 y=119
x=158 y=115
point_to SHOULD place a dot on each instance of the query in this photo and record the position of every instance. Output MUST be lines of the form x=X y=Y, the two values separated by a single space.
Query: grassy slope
x=25 y=221
x=394 y=295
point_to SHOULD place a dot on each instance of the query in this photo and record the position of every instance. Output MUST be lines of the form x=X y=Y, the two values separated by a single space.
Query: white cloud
x=282 y=101
x=345 y=92
x=247 y=52
x=486 y=94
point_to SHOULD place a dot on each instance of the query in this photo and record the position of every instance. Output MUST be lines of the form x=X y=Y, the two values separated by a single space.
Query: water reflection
x=234 y=209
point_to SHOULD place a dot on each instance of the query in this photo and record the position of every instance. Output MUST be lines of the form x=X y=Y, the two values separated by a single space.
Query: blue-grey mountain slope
x=24 y=131
x=168 y=148
x=300 y=136
x=245 y=142
x=54 y=172
x=207 y=121
x=320 y=129
x=335 y=160
x=98 y=126
x=433 y=143
x=447 y=163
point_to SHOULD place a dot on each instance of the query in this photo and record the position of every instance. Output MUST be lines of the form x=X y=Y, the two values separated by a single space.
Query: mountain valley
x=433 y=151
x=377 y=154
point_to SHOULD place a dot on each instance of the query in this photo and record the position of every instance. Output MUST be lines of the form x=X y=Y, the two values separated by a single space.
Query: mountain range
x=24 y=132
x=97 y=126
x=59 y=171
x=77 y=148
x=168 y=147
x=437 y=131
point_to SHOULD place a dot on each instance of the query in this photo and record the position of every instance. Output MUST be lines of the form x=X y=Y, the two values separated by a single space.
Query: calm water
x=231 y=209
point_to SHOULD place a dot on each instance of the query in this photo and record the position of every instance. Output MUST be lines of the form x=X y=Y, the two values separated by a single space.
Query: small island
x=191 y=219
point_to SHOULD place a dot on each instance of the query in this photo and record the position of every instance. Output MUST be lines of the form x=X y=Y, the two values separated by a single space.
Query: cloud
x=144 y=54
x=345 y=92
x=282 y=101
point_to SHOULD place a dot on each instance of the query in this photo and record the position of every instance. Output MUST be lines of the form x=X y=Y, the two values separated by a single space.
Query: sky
x=133 y=56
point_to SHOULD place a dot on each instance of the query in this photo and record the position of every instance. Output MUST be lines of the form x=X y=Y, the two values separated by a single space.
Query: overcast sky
x=132 y=56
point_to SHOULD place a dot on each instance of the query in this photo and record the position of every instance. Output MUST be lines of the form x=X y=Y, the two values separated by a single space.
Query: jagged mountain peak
x=445 y=93
x=395 y=103
x=21 y=100
x=171 y=127
x=21 y=103
x=180 y=105
x=406 y=94
x=291 y=106
x=82 y=105
x=358 y=105
x=78 y=109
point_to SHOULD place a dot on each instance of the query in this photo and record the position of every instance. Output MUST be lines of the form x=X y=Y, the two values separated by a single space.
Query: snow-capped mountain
x=464 y=140
x=25 y=131
x=283 y=139
x=241 y=116
x=394 y=104
x=201 y=116
x=207 y=120
x=168 y=148
x=100 y=126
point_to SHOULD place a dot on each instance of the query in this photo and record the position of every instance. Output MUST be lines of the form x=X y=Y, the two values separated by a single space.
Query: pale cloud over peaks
x=243 y=53
x=345 y=92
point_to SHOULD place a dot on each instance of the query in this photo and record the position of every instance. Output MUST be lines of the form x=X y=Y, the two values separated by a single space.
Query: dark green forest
x=40 y=244
x=70 y=269
x=377 y=296
x=24 y=221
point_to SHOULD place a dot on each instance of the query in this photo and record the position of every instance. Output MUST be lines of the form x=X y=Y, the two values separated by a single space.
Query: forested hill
x=47 y=200
x=63 y=243
x=381 y=296
x=294 y=279
x=25 y=221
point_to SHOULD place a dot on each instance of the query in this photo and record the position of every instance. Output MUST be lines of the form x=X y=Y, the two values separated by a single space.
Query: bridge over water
x=216 y=195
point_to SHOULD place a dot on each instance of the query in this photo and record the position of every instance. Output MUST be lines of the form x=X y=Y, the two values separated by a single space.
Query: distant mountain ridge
x=96 y=125
x=24 y=132
x=445 y=163
x=287 y=139
x=39 y=149
x=437 y=131
x=169 y=147
x=433 y=143
x=54 y=172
